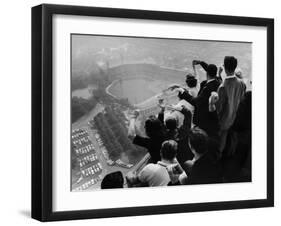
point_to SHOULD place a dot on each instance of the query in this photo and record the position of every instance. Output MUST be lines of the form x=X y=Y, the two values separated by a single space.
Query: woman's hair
x=153 y=127
x=190 y=80
x=113 y=180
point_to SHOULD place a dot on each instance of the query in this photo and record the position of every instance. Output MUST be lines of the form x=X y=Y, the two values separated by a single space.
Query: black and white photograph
x=118 y=112
x=143 y=112
x=151 y=112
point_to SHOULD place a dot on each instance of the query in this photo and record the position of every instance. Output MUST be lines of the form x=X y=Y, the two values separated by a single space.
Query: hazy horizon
x=90 y=52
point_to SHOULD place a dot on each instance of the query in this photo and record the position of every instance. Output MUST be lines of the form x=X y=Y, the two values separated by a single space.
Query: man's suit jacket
x=204 y=119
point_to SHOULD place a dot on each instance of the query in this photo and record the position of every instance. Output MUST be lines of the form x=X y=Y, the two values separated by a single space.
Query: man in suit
x=201 y=169
x=230 y=94
x=202 y=118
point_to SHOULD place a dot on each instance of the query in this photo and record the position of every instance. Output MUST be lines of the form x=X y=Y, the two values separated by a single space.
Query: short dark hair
x=153 y=126
x=230 y=63
x=171 y=123
x=198 y=139
x=169 y=149
x=212 y=70
x=190 y=80
x=113 y=180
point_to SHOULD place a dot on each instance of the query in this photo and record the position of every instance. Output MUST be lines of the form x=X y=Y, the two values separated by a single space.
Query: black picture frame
x=42 y=107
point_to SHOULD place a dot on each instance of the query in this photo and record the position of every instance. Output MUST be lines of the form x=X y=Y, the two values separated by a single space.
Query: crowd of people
x=204 y=138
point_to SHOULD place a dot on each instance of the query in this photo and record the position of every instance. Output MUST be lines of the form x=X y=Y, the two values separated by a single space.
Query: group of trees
x=100 y=78
x=114 y=133
x=81 y=106
x=95 y=75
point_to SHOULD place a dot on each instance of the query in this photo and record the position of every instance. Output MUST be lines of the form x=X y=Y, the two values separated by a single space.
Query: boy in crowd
x=164 y=172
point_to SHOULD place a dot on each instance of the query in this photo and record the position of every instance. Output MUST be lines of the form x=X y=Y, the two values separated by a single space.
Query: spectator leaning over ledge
x=176 y=132
x=164 y=172
x=155 y=135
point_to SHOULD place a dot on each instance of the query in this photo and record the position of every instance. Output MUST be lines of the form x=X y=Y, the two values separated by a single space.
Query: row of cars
x=81 y=140
x=92 y=170
x=99 y=140
x=88 y=184
x=89 y=166
x=80 y=137
x=78 y=133
x=85 y=149
x=119 y=162
x=87 y=159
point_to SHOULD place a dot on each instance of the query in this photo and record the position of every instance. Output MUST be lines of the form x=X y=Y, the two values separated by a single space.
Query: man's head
x=171 y=123
x=230 y=64
x=113 y=180
x=153 y=126
x=212 y=71
x=169 y=150
x=198 y=140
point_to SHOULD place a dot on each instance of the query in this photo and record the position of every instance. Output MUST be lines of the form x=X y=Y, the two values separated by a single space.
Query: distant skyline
x=91 y=51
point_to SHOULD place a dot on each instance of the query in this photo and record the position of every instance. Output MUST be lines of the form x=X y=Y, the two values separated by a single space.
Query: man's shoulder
x=149 y=167
x=152 y=169
x=147 y=170
x=216 y=82
x=221 y=88
x=236 y=82
x=242 y=82
x=140 y=139
x=203 y=83
x=212 y=85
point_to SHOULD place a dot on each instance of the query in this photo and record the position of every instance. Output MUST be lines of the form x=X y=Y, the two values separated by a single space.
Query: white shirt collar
x=210 y=80
x=230 y=76
x=166 y=163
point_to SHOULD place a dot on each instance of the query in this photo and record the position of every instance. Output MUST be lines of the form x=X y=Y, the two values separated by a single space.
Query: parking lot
x=90 y=168
x=93 y=147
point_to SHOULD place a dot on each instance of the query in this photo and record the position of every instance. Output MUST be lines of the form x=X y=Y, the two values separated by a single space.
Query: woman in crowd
x=202 y=117
x=191 y=81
